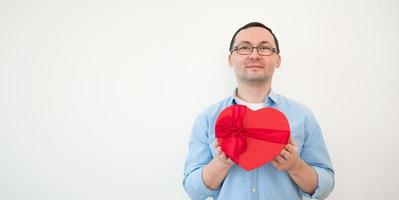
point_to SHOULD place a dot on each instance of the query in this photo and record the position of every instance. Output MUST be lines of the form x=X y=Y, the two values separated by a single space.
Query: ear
x=229 y=60
x=278 y=61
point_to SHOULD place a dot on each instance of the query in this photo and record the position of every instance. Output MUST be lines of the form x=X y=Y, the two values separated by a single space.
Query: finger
x=290 y=148
x=276 y=164
x=227 y=157
x=216 y=144
x=285 y=154
x=223 y=156
x=219 y=150
x=291 y=141
x=280 y=159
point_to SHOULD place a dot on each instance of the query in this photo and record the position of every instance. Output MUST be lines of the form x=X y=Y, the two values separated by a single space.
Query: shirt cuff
x=325 y=184
x=199 y=185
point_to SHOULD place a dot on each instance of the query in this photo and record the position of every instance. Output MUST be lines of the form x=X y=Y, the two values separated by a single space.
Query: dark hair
x=253 y=24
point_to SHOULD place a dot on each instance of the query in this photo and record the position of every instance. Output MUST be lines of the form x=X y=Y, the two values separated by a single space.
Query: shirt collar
x=271 y=98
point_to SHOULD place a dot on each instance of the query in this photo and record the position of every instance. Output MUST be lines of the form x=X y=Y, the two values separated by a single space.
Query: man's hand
x=288 y=159
x=217 y=169
x=222 y=156
x=303 y=175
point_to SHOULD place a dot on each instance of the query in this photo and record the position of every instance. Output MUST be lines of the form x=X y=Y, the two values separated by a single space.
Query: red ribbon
x=234 y=135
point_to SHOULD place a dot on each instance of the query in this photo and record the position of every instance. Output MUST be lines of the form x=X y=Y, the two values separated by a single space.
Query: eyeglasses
x=263 y=50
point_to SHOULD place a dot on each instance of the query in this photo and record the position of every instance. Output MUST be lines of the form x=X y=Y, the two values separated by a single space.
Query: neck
x=253 y=93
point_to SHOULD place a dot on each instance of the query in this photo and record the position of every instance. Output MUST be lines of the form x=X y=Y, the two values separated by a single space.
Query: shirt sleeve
x=199 y=154
x=314 y=153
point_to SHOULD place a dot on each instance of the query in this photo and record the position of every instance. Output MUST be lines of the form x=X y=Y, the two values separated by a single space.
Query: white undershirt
x=252 y=106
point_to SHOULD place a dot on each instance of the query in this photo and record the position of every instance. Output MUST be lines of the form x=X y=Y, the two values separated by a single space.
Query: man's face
x=254 y=67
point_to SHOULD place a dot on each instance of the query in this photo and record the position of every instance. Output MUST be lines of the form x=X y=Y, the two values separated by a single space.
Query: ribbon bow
x=234 y=135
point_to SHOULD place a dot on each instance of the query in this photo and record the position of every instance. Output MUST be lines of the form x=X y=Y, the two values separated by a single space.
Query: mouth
x=254 y=67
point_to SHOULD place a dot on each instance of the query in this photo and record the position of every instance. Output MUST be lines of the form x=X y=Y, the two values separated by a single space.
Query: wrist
x=297 y=168
x=223 y=163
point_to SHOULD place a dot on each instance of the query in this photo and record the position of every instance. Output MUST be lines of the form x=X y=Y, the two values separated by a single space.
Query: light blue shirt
x=265 y=182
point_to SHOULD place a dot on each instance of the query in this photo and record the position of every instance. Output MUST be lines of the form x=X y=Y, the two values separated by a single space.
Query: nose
x=254 y=54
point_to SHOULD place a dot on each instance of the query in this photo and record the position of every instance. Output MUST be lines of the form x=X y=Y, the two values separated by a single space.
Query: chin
x=256 y=79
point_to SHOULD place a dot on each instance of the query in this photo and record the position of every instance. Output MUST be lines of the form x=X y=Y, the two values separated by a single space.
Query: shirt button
x=253 y=189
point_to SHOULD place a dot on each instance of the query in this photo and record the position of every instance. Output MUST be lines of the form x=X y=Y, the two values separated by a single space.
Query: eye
x=244 y=47
x=264 y=48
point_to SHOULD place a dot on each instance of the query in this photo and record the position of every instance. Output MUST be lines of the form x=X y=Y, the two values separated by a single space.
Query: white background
x=97 y=98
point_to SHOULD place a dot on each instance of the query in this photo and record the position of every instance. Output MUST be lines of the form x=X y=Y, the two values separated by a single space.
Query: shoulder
x=206 y=120
x=301 y=119
x=290 y=106
x=212 y=111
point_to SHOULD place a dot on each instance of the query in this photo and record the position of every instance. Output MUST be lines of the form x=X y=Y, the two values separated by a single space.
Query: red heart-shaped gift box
x=251 y=138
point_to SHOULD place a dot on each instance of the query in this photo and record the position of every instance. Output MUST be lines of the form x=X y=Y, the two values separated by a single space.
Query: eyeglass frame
x=274 y=50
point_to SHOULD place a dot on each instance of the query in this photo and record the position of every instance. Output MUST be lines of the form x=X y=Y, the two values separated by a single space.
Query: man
x=303 y=168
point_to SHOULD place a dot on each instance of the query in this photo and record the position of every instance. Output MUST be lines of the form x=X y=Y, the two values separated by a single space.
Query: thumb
x=291 y=141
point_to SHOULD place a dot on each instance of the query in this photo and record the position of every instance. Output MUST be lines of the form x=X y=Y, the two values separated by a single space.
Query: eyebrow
x=248 y=42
